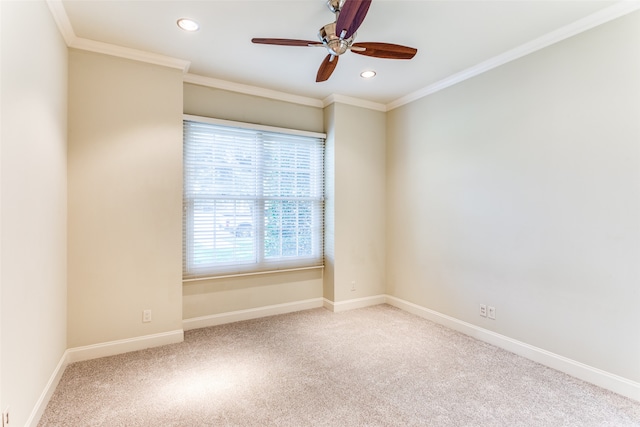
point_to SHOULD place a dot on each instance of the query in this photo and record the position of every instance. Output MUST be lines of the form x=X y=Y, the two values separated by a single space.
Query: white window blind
x=253 y=200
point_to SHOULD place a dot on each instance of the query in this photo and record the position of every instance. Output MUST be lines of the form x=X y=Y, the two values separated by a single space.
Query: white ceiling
x=451 y=36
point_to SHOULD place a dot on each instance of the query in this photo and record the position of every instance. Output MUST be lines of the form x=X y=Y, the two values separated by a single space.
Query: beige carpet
x=377 y=366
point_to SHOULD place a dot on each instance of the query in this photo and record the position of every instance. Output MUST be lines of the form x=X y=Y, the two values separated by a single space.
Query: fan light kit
x=338 y=37
x=188 y=24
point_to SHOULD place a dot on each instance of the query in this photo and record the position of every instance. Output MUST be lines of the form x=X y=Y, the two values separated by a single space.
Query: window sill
x=256 y=273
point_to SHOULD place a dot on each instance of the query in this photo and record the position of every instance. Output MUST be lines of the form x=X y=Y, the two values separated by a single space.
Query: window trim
x=252 y=127
x=254 y=273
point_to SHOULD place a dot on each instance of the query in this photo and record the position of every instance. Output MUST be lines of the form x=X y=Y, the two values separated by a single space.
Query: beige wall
x=125 y=198
x=355 y=162
x=210 y=297
x=33 y=204
x=356 y=201
x=329 y=204
x=225 y=105
x=519 y=189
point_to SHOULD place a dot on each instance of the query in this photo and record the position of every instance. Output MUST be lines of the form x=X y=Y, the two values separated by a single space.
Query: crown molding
x=601 y=17
x=357 y=102
x=251 y=90
x=610 y=13
x=128 y=53
x=62 y=20
x=66 y=29
x=280 y=96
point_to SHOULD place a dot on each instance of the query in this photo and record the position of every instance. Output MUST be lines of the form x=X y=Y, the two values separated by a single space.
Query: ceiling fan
x=338 y=37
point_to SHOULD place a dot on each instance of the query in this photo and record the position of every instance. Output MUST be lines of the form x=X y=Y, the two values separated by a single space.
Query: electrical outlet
x=492 y=313
x=146 y=316
x=5 y=417
x=483 y=310
x=353 y=285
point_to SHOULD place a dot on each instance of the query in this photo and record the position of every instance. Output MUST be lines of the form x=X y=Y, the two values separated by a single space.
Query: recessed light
x=188 y=24
x=368 y=74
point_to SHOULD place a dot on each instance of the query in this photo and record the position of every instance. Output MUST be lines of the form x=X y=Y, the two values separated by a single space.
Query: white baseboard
x=95 y=351
x=112 y=348
x=615 y=383
x=609 y=381
x=252 y=313
x=352 y=304
x=43 y=401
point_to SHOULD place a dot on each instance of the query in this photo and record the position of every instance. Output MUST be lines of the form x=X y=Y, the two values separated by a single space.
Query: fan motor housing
x=335 y=5
x=334 y=44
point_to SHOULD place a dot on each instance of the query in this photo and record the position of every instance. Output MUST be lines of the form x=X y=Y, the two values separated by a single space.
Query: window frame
x=261 y=266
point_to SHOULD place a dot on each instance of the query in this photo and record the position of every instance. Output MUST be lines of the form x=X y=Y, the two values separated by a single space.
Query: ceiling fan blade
x=384 y=50
x=286 y=42
x=327 y=67
x=351 y=16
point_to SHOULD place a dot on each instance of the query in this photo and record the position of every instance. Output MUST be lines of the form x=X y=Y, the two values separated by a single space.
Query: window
x=253 y=199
